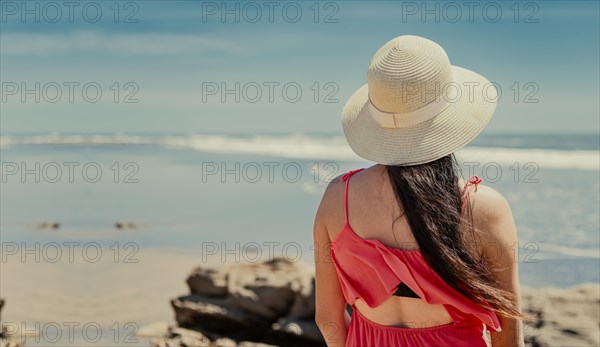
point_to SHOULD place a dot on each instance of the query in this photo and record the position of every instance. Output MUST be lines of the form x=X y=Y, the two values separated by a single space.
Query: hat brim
x=454 y=127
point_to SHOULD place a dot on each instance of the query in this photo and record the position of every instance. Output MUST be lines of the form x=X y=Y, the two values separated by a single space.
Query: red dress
x=370 y=270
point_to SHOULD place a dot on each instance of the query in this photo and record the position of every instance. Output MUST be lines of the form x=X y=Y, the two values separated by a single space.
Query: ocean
x=248 y=197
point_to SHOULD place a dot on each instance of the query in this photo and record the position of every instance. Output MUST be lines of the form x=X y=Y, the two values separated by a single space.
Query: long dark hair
x=430 y=198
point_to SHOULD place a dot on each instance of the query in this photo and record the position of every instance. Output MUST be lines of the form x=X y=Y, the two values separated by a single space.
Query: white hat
x=416 y=107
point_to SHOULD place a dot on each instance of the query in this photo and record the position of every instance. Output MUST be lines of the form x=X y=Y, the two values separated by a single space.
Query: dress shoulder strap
x=472 y=182
x=346 y=178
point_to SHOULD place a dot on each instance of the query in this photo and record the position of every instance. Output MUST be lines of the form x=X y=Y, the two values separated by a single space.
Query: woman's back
x=374 y=214
x=373 y=211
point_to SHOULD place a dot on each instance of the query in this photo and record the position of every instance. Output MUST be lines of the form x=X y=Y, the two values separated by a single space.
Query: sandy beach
x=106 y=294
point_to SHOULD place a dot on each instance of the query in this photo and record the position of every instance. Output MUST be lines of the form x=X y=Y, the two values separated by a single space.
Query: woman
x=422 y=257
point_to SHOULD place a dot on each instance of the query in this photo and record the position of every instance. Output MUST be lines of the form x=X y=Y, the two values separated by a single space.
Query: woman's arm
x=500 y=249
x=331 y=316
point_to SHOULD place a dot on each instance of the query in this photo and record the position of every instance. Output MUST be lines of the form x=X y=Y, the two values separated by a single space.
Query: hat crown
x=408 y=73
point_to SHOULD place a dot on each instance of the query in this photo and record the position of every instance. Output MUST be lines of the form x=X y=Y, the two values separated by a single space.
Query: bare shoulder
x=489 y=205
x=492 y=216
x=332 y=200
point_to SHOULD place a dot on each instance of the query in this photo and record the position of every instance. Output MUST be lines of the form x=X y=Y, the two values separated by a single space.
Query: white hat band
x=402 y=120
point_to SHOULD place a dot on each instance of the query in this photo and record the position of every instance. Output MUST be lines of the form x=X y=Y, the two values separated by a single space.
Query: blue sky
x=548 y=50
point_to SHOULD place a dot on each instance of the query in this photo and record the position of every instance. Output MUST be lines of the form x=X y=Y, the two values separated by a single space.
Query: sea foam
x=299 y=146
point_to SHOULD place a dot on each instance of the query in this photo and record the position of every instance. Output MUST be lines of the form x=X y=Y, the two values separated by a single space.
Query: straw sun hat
x=416 y=107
